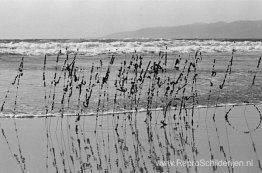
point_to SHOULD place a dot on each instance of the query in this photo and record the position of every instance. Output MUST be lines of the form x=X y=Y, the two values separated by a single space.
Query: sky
x=43 y=19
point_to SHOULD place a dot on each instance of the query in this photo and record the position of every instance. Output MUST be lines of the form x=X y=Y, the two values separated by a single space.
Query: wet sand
x=135 y=144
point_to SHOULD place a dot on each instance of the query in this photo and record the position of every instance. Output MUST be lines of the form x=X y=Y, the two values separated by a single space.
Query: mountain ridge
x=219 y=30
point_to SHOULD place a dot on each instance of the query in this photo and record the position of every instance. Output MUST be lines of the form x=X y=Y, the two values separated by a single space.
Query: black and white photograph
x=130 y=86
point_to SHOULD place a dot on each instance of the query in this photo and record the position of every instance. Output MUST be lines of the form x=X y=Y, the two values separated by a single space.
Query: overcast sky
x=93 y=18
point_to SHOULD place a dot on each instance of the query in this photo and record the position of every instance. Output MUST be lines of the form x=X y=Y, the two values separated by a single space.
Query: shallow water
x=31 y=100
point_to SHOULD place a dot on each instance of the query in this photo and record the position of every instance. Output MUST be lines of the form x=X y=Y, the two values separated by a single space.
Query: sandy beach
x=131 y=113
x=97 y=151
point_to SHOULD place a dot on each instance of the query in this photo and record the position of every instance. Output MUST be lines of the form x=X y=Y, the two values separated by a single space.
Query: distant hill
x=219 y=30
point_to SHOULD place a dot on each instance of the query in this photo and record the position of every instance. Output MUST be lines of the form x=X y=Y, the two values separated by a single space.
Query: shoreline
x=106 y=113
x=32 y=137
x=122 y=140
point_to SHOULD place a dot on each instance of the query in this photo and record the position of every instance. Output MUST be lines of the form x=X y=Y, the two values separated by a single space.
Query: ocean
x=31 y=101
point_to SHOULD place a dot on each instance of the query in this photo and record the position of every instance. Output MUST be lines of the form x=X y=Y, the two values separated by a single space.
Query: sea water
x=31 y=93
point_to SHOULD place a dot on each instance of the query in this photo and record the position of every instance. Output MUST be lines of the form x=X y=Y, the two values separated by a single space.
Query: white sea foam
x=97 y=47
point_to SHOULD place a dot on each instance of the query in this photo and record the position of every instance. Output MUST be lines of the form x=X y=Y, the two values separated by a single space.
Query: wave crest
x=98 y=47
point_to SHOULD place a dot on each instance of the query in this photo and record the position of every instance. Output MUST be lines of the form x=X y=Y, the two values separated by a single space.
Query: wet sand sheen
x=133 y=140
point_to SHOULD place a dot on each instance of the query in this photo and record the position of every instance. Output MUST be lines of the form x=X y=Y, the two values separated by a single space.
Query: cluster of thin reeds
x=116 y=93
